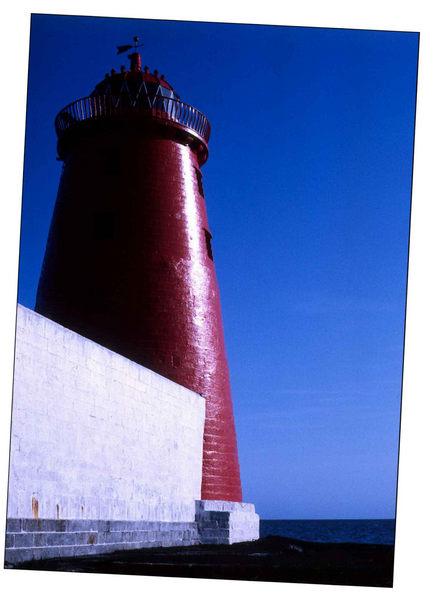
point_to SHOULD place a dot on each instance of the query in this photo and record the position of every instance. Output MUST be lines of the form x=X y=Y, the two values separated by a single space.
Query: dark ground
x=272 y=558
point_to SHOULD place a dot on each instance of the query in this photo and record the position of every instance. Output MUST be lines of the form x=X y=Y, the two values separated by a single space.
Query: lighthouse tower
x=129 y=261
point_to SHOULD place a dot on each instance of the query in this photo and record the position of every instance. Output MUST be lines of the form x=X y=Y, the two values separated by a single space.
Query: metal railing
x=98 y=107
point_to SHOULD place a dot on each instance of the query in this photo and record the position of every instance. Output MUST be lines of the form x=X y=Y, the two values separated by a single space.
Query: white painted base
x=221 y=522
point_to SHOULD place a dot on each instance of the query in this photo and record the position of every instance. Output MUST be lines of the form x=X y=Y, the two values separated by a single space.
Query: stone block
x=64 y=551
x=100 y=525
x=13 y=525
x=85 y=525
x=31 y=525
x=18 y=555
x=82 y=550
x=49 y=525
x=110 y=537
x=226 y=522
x=24 y=540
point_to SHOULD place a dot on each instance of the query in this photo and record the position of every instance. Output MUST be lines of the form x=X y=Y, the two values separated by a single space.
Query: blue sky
x=308 y=193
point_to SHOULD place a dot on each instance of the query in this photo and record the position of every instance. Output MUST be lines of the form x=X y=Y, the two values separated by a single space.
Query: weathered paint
x=34 y=507
x=129 y=264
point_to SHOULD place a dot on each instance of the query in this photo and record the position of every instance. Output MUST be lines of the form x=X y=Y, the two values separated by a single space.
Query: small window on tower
x=200 y=182
x=103 y=225
x=208 y=237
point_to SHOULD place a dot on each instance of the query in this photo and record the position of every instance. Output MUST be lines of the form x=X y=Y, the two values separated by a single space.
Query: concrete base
x=226 y=522
x=36 y=539
x=216 y=522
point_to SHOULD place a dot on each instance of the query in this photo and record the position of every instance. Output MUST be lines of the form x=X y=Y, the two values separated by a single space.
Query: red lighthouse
x=129 y=260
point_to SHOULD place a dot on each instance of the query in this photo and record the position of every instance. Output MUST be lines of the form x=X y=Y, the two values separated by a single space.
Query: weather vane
x=121 y=49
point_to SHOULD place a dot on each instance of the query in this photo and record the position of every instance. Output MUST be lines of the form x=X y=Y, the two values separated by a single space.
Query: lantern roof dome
x=134 y=82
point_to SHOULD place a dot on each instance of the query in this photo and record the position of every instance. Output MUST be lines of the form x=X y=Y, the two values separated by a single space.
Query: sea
x=360 y=531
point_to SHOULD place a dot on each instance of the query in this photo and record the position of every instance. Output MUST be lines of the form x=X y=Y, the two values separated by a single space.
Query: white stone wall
x=97 y=436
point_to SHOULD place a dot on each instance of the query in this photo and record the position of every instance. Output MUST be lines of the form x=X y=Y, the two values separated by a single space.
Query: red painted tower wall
x=129 y=264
